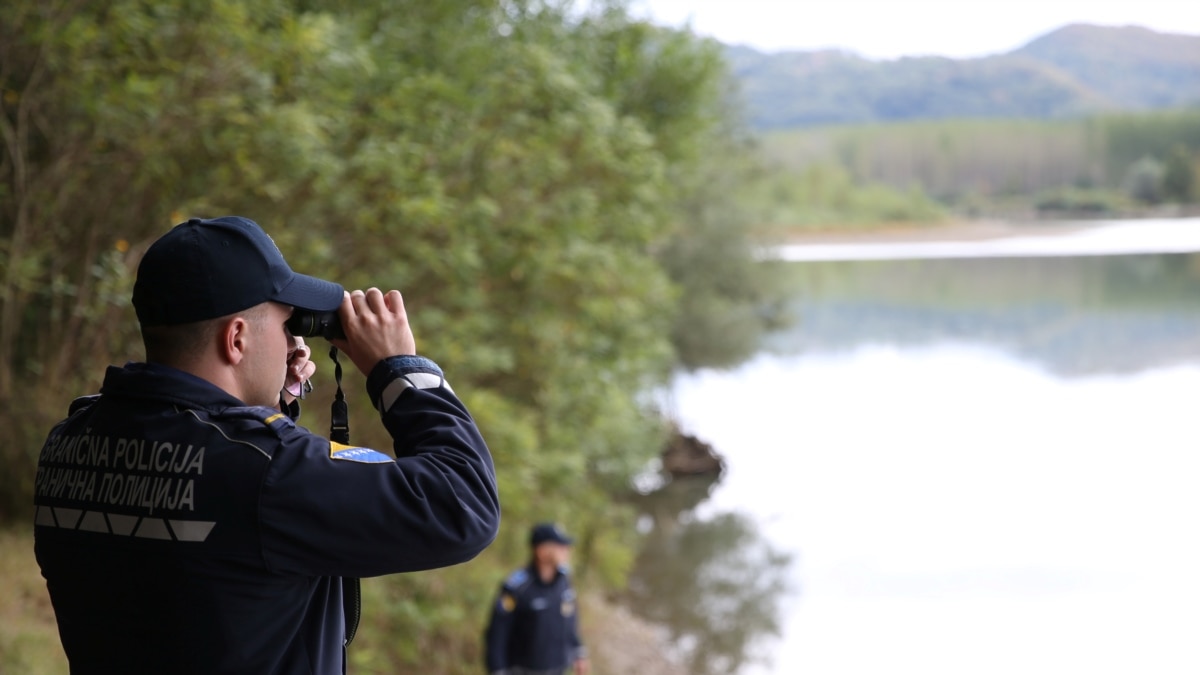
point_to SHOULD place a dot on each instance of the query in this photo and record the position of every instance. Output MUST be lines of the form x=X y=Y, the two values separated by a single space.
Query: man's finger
x=394 y=301
x=375 y=300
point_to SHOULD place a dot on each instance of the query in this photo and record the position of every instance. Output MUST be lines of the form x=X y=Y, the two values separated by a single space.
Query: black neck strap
x=339 y=414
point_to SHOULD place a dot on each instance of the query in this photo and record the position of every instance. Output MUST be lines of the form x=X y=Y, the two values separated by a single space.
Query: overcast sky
x=892 y=28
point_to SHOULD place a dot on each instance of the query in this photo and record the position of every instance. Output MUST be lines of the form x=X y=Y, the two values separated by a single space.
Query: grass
x=28 y=635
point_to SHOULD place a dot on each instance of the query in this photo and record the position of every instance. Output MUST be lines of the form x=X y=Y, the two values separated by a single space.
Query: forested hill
x=1074 y=70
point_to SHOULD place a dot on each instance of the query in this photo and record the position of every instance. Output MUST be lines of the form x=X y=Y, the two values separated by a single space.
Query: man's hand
x=300 y=369
x=376 y=327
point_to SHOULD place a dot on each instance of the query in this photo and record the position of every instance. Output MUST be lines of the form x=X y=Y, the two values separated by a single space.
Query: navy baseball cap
x=548 y=532
x=204 y=269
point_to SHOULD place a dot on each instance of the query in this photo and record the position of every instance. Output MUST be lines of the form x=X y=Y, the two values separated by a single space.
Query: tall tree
x=517 y=168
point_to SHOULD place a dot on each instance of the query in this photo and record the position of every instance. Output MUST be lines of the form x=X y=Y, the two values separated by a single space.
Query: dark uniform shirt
x=534 y=625
x=181 y=531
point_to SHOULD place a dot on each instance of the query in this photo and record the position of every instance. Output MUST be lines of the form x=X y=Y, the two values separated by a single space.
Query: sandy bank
x=966 y=230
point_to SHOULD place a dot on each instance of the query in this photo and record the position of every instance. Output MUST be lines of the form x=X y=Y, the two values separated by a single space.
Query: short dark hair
x=180 y=343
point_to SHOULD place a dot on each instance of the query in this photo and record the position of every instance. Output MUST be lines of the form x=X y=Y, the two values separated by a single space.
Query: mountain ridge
x=1075 y=70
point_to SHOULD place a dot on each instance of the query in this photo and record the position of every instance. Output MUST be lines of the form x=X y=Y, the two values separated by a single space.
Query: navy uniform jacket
x=534 y=625
x=181 y=531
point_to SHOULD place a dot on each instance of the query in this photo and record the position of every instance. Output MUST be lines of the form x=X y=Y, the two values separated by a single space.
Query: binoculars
x=315 y=324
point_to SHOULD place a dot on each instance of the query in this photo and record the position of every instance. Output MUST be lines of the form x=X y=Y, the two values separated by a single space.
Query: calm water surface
x=984 y=465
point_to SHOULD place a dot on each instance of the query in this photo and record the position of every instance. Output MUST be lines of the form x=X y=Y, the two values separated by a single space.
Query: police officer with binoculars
x=186 y=524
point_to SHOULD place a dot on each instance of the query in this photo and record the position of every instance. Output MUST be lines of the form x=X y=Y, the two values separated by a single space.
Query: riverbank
x=957 y=231
x=621 y=643
x=980 y=229
x=999 y=239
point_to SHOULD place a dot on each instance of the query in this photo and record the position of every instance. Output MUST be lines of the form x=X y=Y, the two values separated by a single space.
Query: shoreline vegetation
x=866 y=177
x=549 y=188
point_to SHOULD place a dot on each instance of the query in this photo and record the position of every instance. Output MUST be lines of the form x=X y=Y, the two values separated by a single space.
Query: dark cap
x=204 y=269
x=548 y=532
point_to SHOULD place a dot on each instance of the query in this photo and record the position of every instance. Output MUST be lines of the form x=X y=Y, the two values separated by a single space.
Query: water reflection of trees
x=713 y=582
x=1074 y=316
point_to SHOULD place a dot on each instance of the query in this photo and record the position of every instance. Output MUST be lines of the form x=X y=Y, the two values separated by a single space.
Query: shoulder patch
x=517 y=579
x=350 y=453
x=507 y=602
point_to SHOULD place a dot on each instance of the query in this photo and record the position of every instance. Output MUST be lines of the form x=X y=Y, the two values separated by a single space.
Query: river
x=963 y=457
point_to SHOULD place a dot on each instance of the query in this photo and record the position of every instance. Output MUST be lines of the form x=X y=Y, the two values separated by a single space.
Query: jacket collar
x=154 y=381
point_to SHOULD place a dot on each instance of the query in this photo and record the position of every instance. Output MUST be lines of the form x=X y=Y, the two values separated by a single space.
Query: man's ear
x=234 y=337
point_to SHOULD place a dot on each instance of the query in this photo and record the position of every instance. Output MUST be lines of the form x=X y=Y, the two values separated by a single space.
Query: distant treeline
x=1103 y=164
